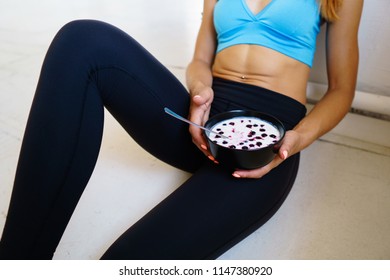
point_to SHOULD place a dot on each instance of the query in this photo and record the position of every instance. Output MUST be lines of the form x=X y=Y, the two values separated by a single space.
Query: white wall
x=374 y=41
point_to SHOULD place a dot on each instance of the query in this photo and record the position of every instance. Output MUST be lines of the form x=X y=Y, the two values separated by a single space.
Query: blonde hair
x=329 y=9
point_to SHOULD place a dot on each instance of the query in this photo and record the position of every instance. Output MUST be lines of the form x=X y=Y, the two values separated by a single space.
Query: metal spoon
x=173 y=114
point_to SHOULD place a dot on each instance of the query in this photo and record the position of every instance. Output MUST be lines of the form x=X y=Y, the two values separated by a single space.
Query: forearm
x=198 y=76
x=342 y=67
x=199 y=82
x=324 y=116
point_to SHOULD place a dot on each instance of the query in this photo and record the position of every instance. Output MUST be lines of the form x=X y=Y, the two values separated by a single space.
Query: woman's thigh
x=90 y=64
x=207 y=215
x=133 y=85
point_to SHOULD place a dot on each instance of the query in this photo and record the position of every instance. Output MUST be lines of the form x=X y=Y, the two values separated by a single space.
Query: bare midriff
x=263 y=67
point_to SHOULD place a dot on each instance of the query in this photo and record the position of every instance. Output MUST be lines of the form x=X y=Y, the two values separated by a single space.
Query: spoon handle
x=173 y=114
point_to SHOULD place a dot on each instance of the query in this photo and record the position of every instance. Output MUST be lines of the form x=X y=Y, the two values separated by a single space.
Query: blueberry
x=252 y=133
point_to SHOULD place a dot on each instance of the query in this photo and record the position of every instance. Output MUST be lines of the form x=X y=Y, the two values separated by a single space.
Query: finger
x=207 y=153
x=283 y=154
x=254 y=174
x=201 y=143
x=204 y=97
x=259 y=172
x=202 y=103
x=284 y=150
x=288 y=145
x=199 y=100
x=204 y=148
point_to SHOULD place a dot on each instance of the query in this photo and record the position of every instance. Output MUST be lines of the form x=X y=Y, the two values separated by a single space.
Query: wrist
x=307 y=134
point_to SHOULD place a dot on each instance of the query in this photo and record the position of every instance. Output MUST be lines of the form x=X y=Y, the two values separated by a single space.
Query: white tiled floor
x=338 y=209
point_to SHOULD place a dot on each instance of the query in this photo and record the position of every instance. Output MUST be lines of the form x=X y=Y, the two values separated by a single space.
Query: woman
x=253 y=54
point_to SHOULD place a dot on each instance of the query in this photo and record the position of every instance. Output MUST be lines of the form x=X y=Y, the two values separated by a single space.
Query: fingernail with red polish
x=211 y=158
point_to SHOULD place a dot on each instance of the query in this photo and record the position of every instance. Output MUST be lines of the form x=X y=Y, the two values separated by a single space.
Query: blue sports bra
x=287 y=26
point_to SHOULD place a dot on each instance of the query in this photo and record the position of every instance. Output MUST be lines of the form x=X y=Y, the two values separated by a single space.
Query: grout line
x=352 y=147
x=364 y=103
x=177 y=67
x=357 y=111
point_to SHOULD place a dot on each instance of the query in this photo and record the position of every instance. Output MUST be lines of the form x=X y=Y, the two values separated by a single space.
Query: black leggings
x=91 y=65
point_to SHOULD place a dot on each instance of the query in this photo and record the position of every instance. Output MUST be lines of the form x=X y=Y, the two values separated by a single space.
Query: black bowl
x=244 y=159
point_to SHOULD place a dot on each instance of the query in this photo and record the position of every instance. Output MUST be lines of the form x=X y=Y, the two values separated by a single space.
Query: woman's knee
x=96 y=39
x=80 y=31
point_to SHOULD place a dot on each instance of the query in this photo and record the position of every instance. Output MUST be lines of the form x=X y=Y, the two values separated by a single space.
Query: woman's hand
x=342 y=65
x=199 y=76
x=199 y=114
x=290 y=146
